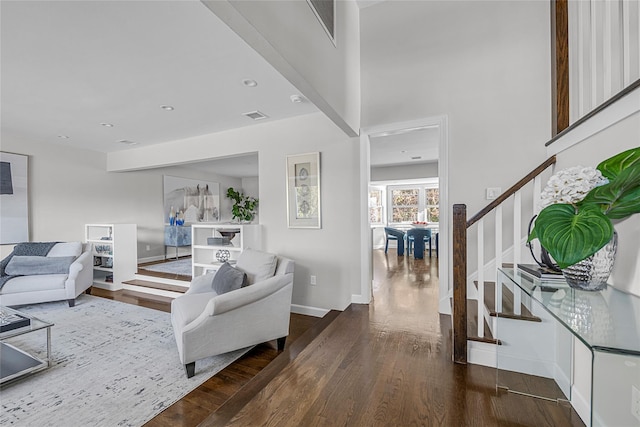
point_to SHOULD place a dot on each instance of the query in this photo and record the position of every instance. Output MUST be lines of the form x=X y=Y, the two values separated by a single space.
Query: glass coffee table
x=14 y=362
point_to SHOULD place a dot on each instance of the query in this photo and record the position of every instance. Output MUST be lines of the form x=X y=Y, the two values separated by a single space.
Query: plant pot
x=591 y=274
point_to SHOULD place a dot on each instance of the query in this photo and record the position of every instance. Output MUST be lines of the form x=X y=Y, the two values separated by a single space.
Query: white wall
x=330 y=253
x=484 y=64
x=391 y=173
x=69 y=187
x=289 y=36
x=591 y=151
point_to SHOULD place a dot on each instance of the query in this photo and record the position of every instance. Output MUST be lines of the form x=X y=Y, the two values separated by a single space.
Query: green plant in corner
x=573 y=231
x=244 y=207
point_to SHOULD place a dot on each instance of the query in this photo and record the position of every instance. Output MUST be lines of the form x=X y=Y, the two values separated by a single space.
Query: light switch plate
x=493 y=193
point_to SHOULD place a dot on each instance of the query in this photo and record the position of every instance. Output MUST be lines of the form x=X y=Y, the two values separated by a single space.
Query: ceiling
x=72 y=68
x=96 y=74
x=405 y=147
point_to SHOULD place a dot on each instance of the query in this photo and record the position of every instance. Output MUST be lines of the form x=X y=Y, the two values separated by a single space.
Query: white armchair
x=207 y=324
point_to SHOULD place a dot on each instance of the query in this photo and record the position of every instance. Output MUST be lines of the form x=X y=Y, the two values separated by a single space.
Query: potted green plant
x=582 y=204
x=244 y=207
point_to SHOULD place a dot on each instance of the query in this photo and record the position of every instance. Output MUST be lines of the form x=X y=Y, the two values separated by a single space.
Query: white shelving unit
x=203 y=254
x=115 y=253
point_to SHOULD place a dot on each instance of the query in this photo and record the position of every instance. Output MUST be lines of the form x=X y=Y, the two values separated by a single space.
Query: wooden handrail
x=511 y=191
x=624 y=92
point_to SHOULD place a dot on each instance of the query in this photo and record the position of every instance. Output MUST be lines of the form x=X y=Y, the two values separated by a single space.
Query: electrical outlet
x=635 y=402
x=148 y=247
x=312 y=281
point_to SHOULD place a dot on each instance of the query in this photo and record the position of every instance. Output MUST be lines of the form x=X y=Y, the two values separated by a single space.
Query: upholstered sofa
x=63 y=273
x=208 y=320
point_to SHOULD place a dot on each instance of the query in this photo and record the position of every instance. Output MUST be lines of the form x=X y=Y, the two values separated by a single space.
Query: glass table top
x=606 y=320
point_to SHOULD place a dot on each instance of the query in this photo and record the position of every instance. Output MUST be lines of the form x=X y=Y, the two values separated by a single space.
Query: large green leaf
x=611 y=167
x=571 y=236
x=619 y=198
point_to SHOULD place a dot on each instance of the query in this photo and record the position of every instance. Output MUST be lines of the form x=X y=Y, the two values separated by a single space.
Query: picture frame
x=303 y=191
x=325 y=11
x=14 y=201
x=197 y=200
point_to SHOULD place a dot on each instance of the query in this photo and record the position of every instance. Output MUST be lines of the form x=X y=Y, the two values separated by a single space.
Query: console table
x=603 y=326
x=176 y=236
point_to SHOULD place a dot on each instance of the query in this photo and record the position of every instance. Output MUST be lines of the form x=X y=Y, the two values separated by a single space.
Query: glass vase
x=591 y=274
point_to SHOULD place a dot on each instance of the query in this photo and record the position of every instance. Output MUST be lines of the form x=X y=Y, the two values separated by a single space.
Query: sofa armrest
x=247 y=295
x=80 y=275
x=79 y=264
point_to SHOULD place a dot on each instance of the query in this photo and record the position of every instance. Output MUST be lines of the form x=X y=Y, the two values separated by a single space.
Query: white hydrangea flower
x=571 y=185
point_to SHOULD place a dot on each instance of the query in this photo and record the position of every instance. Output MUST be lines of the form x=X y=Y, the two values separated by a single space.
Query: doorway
x=413 y=135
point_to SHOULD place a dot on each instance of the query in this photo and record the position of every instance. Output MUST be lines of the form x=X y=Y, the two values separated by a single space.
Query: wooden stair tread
x=507 y=304
x=156 y=285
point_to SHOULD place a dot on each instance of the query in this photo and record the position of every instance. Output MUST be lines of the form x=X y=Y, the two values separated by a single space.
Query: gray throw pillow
x=228 y=279
x=30 y=265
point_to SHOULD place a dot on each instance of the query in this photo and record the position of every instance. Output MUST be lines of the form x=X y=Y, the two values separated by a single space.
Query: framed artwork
x=303 y=191
x=325 y=11
x=190 y=200
x=14 y=209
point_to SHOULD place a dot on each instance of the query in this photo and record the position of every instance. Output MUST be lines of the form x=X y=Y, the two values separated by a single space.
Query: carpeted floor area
x=113 y=364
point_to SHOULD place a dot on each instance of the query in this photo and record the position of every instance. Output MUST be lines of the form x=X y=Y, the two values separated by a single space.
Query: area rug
x=114 y=364
x=181 y=267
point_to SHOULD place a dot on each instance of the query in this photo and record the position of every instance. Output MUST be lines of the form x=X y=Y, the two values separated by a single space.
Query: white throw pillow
x=66 y=249
x=258 y=265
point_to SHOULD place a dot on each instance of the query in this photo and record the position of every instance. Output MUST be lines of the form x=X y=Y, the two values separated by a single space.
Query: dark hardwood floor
x=384 y=364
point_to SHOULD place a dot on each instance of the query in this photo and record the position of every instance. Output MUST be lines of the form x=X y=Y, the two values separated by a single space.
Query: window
x=411 y=203
x=432 y=205
x=375 y=206
x=405 y=204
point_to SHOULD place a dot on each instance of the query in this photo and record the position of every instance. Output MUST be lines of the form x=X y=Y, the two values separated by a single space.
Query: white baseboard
x=309 y=311
x=359 y=299
x=150 y=259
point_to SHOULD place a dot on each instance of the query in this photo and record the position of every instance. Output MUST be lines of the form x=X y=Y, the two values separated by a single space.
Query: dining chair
x=397 y=235
x=416 y=238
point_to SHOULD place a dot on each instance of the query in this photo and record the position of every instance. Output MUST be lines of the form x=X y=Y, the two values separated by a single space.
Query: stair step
x=472 y=325
x=157 y=285
x=508 y=311
x=182 y=281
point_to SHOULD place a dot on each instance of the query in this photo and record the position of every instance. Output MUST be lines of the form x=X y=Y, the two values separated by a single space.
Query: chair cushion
x=258 y=265
x=228 y=279
x=66 y=249
x=31 y=265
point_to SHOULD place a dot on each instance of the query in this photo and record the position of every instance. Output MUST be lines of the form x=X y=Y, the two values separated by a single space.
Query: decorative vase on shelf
x=223 y=255
x=591 y=274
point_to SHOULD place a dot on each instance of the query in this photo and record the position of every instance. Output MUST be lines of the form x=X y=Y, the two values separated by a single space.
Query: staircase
x=477 y=299
x=158 y=284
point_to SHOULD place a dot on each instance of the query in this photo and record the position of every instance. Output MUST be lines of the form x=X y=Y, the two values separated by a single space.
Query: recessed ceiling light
x=255 y=115
x=107 y=125
x=249 y=83
x=167 y=107
x=127 y=142
x=297 y=99
x=63 y=136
